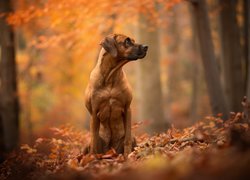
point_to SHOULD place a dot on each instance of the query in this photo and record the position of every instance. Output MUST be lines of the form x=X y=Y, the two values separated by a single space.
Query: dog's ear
x=108 y=43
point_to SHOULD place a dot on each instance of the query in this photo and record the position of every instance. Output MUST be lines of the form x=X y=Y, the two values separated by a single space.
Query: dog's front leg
x=127 y=139
x=94 y=131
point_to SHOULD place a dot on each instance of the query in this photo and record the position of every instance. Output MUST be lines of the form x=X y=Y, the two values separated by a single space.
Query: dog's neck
x=109 y=66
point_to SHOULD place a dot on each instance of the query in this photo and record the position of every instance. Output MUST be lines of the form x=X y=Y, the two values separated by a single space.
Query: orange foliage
x=60 y=39
x=209 y=149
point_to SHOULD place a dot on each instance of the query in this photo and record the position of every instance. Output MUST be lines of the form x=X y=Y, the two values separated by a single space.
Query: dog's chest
x=111 y=113
x=112 y=103
x=113 y=97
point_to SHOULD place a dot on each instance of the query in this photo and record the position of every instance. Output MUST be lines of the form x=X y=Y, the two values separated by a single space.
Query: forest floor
x=210 y=149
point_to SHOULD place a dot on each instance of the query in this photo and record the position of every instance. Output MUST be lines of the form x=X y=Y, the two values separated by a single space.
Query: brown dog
x=108 y=95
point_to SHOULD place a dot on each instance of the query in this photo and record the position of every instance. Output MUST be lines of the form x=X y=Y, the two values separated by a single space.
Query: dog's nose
x=144 y=47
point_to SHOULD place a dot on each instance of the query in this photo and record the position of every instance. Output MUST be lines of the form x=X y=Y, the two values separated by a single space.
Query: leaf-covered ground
x=210 y=149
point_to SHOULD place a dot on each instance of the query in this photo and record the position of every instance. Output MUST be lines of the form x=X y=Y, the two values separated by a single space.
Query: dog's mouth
x=141 y=53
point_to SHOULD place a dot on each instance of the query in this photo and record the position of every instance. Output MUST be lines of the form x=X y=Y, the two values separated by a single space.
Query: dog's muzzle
x=142 y=51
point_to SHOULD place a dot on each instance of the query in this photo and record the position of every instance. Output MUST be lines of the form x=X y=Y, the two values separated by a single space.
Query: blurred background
x=197 y=63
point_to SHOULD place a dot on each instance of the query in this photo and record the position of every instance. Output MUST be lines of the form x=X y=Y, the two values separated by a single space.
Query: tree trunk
x=173 y=57
x=232 y=56
x=212 y=76
x=149 y=84
x=247 y=44
x=196 y=71
x=28 y=108
x=195 y=94
x=8 y=94
x=1 y=139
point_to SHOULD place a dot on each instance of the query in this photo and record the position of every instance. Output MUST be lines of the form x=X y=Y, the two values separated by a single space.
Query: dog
x=108 y=95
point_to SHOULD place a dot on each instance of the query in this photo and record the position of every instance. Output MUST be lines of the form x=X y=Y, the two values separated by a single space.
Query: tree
x=196 y=71
x=8 y=93
x=232 y=57
x=247 y=44
x=149 y=84
x=173 y=59
x=217 y=99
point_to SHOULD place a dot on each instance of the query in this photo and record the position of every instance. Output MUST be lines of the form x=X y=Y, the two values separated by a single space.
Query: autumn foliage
x=210 y=148
x=57 y=43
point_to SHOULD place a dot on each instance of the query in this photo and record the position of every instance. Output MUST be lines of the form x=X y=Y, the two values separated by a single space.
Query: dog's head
x=123 y=47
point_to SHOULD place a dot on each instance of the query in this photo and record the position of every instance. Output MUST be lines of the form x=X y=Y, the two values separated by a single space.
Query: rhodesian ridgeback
x=108 y=95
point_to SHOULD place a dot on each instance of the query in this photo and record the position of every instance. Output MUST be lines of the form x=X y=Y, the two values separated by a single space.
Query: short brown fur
x=108 y=95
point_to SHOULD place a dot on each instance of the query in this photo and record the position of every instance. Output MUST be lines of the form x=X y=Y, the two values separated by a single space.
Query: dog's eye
x=128 y=42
